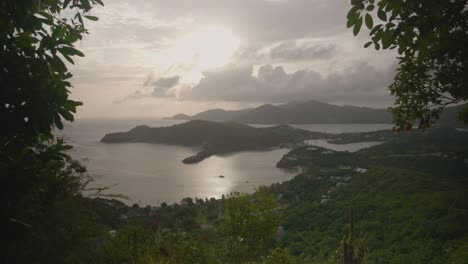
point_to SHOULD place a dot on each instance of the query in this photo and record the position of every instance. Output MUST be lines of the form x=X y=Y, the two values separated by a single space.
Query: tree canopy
x=36 y=37
x=431 y=37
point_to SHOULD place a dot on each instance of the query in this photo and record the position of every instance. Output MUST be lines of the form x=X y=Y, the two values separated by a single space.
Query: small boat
x=221 y=176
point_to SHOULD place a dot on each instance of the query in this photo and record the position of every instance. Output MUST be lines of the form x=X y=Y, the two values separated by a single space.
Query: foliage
x=279 y=256
x=35 y=37
x=432 y=42
x=37 y=174
x=249 y=225
x=410 y=203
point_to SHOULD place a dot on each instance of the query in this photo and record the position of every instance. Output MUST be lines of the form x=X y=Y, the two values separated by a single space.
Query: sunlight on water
x=154 y=173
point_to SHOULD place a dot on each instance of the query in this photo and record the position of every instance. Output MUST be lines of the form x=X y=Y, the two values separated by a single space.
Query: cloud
x=134 y=38
x=167 y=82
x=273 y=84
x=297 y=51
x=259 y=20
x=163 y=86
x=287 y=51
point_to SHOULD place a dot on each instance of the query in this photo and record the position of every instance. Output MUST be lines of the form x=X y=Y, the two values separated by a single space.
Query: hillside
x=310 y=112
x=408 y=197
x=214 y=137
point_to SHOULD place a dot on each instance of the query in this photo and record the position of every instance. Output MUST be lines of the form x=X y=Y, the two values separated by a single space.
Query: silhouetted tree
x=432 y=42
x=36 y=172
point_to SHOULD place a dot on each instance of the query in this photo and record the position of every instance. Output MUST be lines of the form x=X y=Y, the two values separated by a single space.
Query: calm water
x=351 y=147
x=154 y=173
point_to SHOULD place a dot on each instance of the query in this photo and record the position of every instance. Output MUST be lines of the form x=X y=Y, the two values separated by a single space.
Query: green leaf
x=70 y=51
x=357 y=26
x=350 y=23
x=377 y=46
x=66 y=3
x=92 y=18
x=387 y=39
x=375 y=29
x=352 y=12
x=58 y=122
x=382 y=15
x=369 y=21
x=99 y=2
x=65 y=113
x=370 y=7
x=368 y=44
x=68 y=58
x=85 y=4
x=378 y=36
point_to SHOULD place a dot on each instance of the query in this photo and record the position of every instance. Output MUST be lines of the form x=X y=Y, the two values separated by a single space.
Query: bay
x=153 y=173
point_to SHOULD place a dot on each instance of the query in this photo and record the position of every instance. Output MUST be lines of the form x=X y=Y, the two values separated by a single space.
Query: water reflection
x=151 y=172
x=351 y=147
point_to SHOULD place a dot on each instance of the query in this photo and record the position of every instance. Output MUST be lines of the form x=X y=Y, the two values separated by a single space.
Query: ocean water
x=154 y=173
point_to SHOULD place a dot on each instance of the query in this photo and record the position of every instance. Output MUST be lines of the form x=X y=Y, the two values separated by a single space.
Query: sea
x=149 y=174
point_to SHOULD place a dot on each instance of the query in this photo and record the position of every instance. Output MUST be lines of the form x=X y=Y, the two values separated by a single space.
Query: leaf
x=369 y=21
x=368 y=44
x=85 y=4
x=378 y=36
x=70 y=51
x=66 y=3
x=375 y=29
x=68 y=58
x=357 y=26
x=92 y=18
x=352 y=12
x=382 y=15
x=387 y=39
x=350 y=23
x=65 y=113
x=58 y=122
x=370 y=7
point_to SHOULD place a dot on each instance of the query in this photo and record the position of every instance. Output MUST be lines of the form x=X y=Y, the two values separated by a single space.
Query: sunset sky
x=155 y=58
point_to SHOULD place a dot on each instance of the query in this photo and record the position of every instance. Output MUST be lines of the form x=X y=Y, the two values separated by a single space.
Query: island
x=216 y=137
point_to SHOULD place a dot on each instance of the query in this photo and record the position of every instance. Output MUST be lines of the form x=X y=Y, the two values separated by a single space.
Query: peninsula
x=214 y=137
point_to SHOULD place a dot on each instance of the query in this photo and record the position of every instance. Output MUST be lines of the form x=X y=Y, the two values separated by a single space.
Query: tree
x=431 y=37
x=35 y=39
x=249 y=224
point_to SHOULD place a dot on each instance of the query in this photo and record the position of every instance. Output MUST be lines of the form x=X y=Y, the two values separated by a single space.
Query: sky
x=157 y=58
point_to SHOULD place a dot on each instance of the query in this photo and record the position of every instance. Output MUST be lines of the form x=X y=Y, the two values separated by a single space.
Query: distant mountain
x=308 y=112
x=181 y=117
x=214 y=115
x=214 y=137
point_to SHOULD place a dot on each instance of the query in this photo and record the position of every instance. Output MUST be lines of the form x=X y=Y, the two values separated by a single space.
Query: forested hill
x=214 y=137
x=309 y=112
x=408 y=197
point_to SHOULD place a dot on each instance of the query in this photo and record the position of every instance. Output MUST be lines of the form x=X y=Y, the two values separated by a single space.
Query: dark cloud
x=287 y=51
x=167 y=82
x=273 y=84
x=295 y=51
x=163 y=86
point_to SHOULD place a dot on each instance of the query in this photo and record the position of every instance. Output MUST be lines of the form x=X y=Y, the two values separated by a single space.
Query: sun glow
x=205 y=49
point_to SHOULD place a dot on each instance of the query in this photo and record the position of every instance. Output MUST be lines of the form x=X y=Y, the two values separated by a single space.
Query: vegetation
x=408 y=195
x=37 y=176
x=307 y=112
x=431 y=39
x=408 y=205
x=214 y=137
